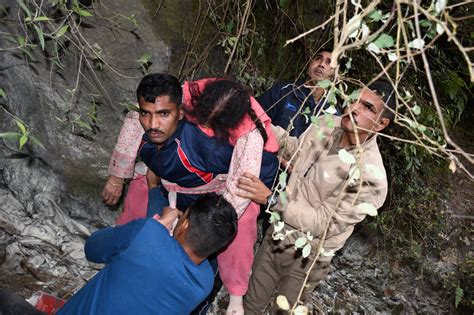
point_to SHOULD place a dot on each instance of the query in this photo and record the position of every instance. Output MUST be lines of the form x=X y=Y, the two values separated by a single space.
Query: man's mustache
x=347 y=115
x=155 y=130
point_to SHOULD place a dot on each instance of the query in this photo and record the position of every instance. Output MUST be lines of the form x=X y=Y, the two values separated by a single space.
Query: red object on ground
x=48 y=303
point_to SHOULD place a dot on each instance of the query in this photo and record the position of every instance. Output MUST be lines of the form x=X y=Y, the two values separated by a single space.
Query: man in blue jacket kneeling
x=150 y=272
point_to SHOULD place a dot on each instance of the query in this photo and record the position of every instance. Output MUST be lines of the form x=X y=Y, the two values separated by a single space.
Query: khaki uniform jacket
x=322 y=188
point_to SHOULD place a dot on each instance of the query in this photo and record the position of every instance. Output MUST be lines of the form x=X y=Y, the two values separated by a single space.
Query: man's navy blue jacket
x=190 y=158
x=283 y=101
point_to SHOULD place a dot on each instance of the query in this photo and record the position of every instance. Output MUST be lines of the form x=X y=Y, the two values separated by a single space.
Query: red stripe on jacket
x=206 y=177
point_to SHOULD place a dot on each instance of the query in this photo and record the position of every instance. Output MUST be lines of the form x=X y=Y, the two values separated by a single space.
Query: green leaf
x=301 y=310
x=133 y=20
x=21 y=126
x=25 y=8
x=431 y=33
x=10 y=135
x=354 y=25
x=2 y=93
x=384 y=41
x=23 y=140
x=306 y=250
x=421 y=127
x=376 y=15
x=348 y=64
x=35 y=141
x=416 y=110
x=324 y=83
x=230 y=26
x=367 y=208
x=274 y=217
x=144 y=59
x=392 y=56
x=41 y=19
x=373 y=48
x=27 y=53
x=282 y=198
x=459 y=295
x=80 y=11
x=39 y=31
x=354 y=174
x=331 y=110
x=83 y=124
x=37 y=19
x=356 y=3
x=346 y=157
x=282 y=4
x=417 y=43
x=278 y=236
x=425 y=23
x=282 y=303
x=440 y=5
x=61 y=31
x=439 y=28
x=21 y=40
x=327 y=253
x=329 y=121
x=354 y=95
x=278 y=226
x=300 y=242
x=282 y=179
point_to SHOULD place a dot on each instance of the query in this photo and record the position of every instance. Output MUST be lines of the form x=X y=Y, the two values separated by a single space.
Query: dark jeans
x=156 y=202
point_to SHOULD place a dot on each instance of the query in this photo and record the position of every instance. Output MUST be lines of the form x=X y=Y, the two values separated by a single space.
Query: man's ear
x=383 y=122
x=181 y=112
x=181 y=229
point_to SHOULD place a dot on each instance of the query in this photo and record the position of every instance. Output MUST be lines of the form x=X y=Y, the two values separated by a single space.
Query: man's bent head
x=159 y=97
x=208 y=225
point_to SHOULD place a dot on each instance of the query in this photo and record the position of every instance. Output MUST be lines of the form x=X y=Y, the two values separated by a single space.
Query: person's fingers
x=245 y=194
x=250 y=176
x=247 y=187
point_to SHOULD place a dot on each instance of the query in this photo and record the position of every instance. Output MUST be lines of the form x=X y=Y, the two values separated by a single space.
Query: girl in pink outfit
x=247 y=137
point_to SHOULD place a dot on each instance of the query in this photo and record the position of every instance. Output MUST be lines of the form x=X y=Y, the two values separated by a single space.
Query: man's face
x=320 y=67
x=366 y=113
x=159 y=119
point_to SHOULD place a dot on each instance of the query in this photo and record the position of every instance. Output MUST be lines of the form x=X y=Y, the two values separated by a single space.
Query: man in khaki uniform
x=337 y=179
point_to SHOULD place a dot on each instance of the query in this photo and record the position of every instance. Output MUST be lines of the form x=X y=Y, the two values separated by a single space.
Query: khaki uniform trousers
x=279 y=269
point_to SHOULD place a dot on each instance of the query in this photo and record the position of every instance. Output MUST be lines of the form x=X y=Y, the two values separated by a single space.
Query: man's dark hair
x=158 y=84
x=386 y=92
x=212 y=224
x=324 y=48
x=222 y=105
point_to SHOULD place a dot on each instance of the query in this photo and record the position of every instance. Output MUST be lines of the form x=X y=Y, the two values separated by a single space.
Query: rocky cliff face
x=74 y=105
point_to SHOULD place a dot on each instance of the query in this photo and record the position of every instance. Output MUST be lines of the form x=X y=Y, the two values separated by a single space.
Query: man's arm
x=341 y=211
x=290 y=146
x=103 y=245
x=123 y=157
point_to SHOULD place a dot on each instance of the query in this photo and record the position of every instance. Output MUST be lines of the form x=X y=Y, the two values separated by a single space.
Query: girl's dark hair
x=221 y=106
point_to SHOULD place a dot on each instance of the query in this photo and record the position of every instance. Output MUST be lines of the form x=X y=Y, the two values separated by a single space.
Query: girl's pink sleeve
x=246 y=158
x=122 y=162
